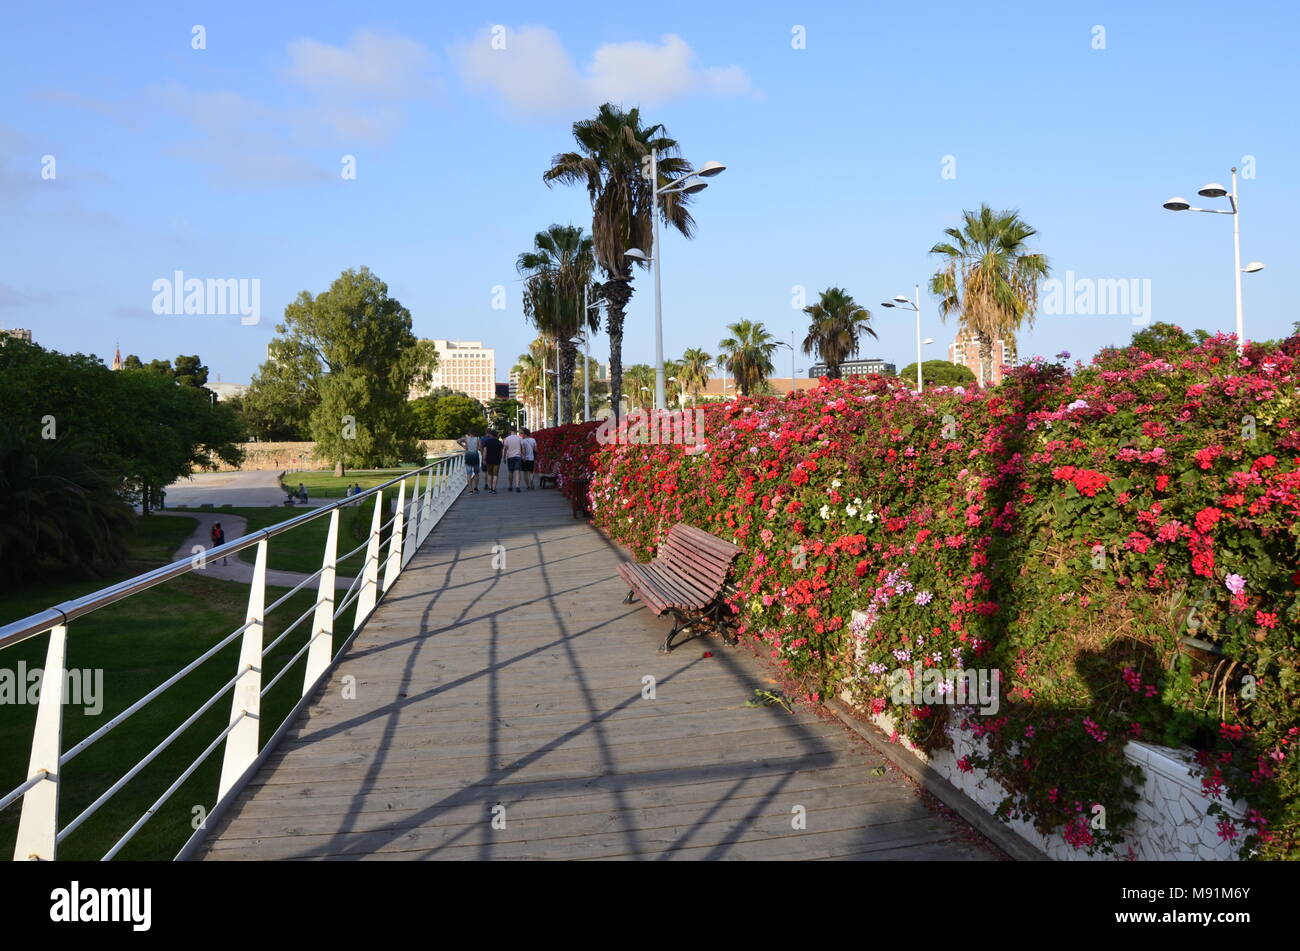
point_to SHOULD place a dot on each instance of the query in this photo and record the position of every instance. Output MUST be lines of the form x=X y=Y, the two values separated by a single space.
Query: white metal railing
x=39 y=834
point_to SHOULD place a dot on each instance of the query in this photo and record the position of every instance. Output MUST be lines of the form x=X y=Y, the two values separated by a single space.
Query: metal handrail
x=20 y=630
x=415 y=516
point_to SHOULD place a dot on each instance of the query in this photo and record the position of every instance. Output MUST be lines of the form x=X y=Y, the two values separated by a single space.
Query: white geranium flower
x=836 y=483
x=826 y=511
x=851 y=511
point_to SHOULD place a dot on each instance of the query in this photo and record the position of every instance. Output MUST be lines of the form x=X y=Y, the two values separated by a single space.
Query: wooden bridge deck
x=515 y=694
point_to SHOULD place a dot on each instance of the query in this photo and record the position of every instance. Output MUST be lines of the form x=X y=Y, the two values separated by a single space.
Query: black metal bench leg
x=667 y=646
x=631 y=596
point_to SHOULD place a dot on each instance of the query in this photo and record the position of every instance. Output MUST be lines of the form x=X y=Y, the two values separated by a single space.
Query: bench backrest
x=702 y=557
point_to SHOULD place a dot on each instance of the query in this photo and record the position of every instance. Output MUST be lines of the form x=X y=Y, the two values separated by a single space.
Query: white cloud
x=534 y=73
x=371 y=66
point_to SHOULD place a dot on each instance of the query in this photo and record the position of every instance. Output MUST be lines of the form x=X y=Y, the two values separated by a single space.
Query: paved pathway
x=235 y=568
x=501 y=711
x=252 y=488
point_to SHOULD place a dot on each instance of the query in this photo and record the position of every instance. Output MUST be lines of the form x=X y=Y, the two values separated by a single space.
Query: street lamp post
x=587 y=308
x=789 y=346
x=687 y=184
x=904 y=303
x=1215 y=190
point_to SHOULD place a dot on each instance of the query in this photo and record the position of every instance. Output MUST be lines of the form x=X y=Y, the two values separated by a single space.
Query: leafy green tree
x=989 y=276
x=351 y=348
x=612 y=151
x=503 y=413
x=747 y=355
x=190 y=371
x=59 y=511
x=938 y=373
x=1163 y=339
x=837 y=323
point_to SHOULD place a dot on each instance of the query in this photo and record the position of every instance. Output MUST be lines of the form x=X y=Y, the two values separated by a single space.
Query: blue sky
x=225 y=161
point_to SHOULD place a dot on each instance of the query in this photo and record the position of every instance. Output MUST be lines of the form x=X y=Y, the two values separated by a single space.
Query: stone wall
x=300 y=455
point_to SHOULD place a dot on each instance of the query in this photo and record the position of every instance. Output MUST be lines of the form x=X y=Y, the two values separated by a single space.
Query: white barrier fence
x=437 y=485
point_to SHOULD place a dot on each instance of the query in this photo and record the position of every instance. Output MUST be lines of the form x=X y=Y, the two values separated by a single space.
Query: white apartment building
x=467 y=366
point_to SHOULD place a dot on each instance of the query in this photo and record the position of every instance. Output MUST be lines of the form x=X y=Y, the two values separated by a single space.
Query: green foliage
x=747 y=355
x=79 y=434
x=58 y=512
x=938 y=373
x=350 y=356
x=837 y=322
x=447 y=417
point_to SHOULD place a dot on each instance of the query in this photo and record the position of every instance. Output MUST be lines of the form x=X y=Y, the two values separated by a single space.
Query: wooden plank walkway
x=515 y=694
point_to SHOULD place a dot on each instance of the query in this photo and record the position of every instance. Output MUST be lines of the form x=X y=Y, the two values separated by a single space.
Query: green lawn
x=137 y=644
x=327 y=485
x=301 y=548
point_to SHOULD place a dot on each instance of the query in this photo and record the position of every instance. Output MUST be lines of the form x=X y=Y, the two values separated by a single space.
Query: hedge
x=1119 y=542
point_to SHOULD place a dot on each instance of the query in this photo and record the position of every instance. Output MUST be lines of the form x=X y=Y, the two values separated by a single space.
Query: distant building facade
x=16 y=333
x=466 y=366
x=227 y=391
x=965 y=351
x=855 y=368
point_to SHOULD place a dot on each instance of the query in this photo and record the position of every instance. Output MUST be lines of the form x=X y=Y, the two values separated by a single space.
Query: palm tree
x=555 y=271
x=640 y=379
x=614 y=147
x=837 y=323
x=989 y=277
x=747 y=354
x=694 y=372
x=672 y=383
x=530 y=366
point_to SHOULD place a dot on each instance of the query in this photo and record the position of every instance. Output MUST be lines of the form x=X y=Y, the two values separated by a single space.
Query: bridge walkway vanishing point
x=495 y=707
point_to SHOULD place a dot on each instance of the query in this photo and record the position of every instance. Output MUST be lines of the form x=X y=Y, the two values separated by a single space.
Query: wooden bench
x=686 y=579
x=545 y=477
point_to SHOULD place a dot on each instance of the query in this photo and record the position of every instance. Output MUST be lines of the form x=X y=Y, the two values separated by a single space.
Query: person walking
x=470 y=443
x=218 y=538
x=492 y=449
x=514 y=450
x=528 y=457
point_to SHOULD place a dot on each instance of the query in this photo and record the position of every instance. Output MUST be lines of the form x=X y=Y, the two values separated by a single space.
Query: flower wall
x=1120 y=544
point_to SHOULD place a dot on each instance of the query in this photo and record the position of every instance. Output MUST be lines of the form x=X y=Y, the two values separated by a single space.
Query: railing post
x=322 y=626
x=246 y=702
x=38 y=827
x=426 y=507
x=412 y=539
x=395 y=537
x=370 y=573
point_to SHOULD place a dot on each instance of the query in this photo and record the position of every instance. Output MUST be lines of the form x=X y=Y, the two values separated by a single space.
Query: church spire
x=117 y=355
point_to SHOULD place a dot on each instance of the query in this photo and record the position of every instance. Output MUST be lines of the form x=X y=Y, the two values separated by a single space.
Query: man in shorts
x=492 y=449
x=529 y=457
x=471 y=444
x=514 y=449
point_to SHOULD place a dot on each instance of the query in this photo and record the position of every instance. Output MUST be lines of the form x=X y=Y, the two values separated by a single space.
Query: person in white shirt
x=514 y=451
x=472 y=460
x=529 y=457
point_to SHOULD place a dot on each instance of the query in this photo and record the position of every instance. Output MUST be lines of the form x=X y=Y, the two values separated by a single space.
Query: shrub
x=1119 y=542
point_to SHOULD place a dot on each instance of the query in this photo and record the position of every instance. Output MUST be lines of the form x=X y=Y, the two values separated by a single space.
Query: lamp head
x=886 y=303
x=903 y=300
x=1213 y=190
x=1253 y=267
x=709 y=169
x=693 y=186
x=1178 y=204
x=636 y=254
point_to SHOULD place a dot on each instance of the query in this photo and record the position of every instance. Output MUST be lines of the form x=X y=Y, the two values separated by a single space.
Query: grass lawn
x=301 y=549
x=327 y=485
x=137 y=644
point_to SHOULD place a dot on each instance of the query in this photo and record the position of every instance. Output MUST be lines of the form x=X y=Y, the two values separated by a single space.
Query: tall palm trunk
x=986 y=358
x=568 y=355
x=618 y=291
